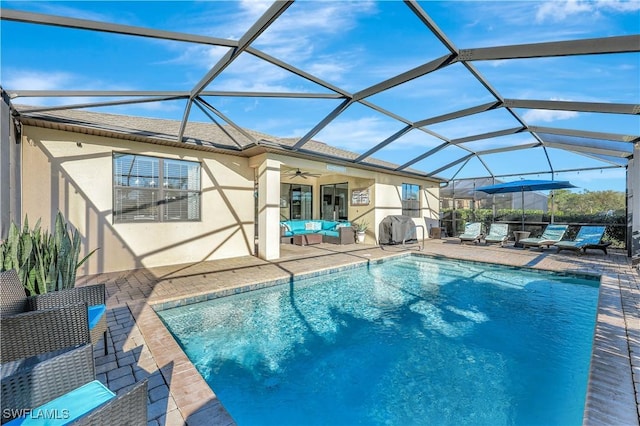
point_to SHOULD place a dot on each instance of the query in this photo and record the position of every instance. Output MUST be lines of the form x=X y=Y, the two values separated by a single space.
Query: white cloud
x=547 y=116
x=255 y=8
x=356 y=135
x=501 y=142
x=488 y=121
x=557 y=11
x=328 y=69
x=299 y=36
x=627 y=67
x=252 y=106
x=27 y=79
x=204 y=57
x=249 y=74
x=619 y=5
x=36 y=80
x=317 y=18
x=561 y=10
x=523 y=22
x=242 y=85
x=412 y=140
x=62 y=9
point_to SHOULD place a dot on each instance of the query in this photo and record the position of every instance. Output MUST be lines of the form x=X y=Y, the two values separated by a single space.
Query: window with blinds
x=153 y=189
x=410 y=200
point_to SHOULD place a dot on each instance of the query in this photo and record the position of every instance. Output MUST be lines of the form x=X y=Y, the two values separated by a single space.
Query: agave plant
x=44 y=261
x=361 y=226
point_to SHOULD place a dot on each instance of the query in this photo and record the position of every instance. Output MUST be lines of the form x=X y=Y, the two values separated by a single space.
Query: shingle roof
x=197 y=135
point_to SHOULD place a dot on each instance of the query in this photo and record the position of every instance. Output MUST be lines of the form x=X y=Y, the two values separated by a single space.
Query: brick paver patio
x=141 y=347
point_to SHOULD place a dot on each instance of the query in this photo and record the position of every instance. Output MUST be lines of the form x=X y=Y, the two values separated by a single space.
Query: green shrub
x=44 y=261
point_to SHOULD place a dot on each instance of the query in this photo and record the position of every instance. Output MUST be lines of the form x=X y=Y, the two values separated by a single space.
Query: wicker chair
x=63 y=383
x=44 y=323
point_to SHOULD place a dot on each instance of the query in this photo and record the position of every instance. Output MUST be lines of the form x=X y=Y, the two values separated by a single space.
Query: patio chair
x=46 y=322
x=498 y=233
x=63 y=384
x=472 y=232
x=551 y=235
x=588 y=237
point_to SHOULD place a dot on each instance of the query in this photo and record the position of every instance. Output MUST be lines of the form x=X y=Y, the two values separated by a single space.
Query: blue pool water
x=406 y=342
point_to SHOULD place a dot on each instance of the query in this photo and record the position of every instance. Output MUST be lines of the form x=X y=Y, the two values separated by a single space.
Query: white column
x=269 y=209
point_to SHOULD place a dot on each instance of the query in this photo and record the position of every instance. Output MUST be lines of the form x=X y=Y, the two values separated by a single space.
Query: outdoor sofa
x=334 y=232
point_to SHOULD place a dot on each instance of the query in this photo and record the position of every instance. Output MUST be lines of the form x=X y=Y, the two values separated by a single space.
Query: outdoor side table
x=520 y=235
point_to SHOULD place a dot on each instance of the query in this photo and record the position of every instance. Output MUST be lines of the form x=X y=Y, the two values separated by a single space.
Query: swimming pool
x=411 y=341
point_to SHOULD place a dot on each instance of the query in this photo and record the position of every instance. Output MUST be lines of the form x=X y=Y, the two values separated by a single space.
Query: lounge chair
x=498 y=233
x=46 y=322
x=472 y=232
x=588 y=237
x=551 y=235
x=63 y=384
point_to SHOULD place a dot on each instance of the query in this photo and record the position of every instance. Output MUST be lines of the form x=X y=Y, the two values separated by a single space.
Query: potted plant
x=361 y=228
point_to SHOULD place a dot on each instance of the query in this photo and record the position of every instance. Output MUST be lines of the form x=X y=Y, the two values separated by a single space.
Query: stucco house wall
x=72 y=172
x=388 y=196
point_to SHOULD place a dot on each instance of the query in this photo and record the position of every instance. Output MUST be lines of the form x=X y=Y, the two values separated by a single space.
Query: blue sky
x=352 y=45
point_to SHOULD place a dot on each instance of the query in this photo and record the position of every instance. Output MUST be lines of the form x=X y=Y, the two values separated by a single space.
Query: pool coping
x=181 y=301
x=611 y=397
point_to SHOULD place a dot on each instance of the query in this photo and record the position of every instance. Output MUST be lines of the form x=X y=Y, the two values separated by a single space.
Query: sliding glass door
x=295 y=201
x=334 y=201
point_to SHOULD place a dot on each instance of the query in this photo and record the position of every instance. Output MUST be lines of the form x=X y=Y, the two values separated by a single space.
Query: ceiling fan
x=297 y=173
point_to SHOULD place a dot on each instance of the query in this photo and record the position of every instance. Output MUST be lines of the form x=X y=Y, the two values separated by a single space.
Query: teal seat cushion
x=301 y=227
x=67 y=408
x=554 y=232
x=95 y=314
x=590 y=235
x=328 y=225
x=296 y=225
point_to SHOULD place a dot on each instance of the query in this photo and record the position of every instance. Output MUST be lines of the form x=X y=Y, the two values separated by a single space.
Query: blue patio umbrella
x=525 y=185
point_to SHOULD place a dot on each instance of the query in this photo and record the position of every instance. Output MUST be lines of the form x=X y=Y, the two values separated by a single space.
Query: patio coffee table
x=307 y=239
